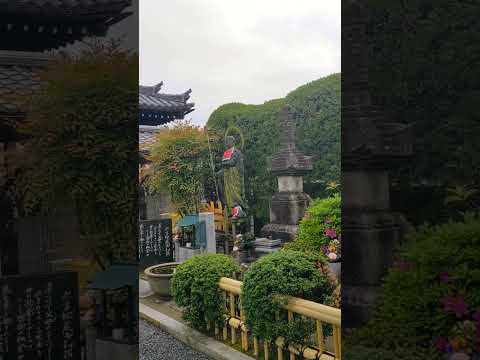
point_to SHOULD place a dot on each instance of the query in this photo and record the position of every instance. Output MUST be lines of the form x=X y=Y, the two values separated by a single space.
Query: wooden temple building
x=155 y=110
x=29 y=31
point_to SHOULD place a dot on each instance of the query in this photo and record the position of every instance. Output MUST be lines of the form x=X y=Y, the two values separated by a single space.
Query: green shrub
x=322 y=214
x=195 y=287
x=289 y=273
x=357 y=352
x=433 y=287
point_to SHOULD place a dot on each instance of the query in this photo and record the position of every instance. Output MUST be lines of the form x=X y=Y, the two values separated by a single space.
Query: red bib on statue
x=227 y=155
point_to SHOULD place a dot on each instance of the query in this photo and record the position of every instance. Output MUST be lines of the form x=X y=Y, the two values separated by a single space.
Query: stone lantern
x=289 y=165
x=371 y=145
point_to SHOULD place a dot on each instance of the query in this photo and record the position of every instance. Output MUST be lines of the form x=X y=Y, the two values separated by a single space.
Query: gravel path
x=155 y=344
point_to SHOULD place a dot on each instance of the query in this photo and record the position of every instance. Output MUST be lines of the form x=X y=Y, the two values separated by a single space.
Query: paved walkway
x=155 y=344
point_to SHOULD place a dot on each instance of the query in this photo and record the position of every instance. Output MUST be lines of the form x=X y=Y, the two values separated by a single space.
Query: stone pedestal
x=370 y=233
x=264 y=246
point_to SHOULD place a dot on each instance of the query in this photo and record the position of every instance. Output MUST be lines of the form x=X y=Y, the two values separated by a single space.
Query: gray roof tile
x=150 y=99
x=63 y=8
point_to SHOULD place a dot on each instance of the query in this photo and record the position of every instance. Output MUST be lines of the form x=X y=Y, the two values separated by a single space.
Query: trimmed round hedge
x=321 y=215
x=195 y=287
x=289 y=273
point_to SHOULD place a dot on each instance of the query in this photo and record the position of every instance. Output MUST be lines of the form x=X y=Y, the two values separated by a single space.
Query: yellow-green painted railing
x=326 y=348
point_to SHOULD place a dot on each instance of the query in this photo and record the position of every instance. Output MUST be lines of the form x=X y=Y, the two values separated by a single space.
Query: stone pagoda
x=372 y=144
x=289 y=165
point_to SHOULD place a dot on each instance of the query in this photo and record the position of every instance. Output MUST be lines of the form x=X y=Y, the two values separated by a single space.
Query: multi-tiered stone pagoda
x=289 y=165
x=372 y=144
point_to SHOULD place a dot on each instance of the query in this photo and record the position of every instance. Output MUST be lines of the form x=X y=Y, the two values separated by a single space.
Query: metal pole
x=212 y=165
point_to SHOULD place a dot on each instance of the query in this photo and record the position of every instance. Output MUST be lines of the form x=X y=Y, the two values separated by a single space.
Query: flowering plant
x=332 y=250
x=464 y=336
x=320 y=230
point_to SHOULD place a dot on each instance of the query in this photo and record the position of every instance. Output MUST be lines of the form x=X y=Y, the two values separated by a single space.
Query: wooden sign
x=39 y=317
x=155 y=243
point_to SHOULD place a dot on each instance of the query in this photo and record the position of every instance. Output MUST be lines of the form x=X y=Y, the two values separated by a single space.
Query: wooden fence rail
x=325 y=348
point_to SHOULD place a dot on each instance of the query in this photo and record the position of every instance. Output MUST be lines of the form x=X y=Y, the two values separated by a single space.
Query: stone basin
x=159 y=277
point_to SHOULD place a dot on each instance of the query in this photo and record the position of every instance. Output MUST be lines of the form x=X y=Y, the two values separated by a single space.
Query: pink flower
x=325 y=249
x=332 y=256
x=327 y=221
x=455 y=304
x=331 y=233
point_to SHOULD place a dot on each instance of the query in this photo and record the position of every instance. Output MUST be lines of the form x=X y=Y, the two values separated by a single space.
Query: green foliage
x=181 y=163
x=195 y=287
x=289 y=273
x=436 y=264
x=82 y=128
x=436 y=90
x=356 y=352
x=321 y=215
x=316 y=110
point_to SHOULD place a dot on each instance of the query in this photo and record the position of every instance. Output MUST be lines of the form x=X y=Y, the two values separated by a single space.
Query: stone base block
x=280 y=231
x=358 y=304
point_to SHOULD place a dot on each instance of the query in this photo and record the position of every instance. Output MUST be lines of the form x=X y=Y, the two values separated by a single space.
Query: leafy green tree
x=181 y=163
x=82 y=128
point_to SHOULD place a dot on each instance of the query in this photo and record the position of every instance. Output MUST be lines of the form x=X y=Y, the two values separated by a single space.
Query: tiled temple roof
x=60 y=9
x=39 y=25
x=18 y=78
x=157 y=108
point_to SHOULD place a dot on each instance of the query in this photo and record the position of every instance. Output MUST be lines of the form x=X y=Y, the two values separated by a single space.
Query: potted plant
x=333 y=251
x=159 y=277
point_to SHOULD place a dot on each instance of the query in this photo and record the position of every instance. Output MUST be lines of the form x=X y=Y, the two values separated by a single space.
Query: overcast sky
x=245 y=51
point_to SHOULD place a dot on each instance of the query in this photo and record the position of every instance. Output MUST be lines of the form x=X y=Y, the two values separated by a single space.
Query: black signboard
x=39 y=317
x=155 y=244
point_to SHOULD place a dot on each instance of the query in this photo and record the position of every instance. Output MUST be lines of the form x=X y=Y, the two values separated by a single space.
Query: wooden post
x=337 y=343
x=243 y=332
x=225 y=225
x=266 y=350
x=320 y=339
x=290 y=319
x=232 y=314
x=225 y=327
x=255 y=346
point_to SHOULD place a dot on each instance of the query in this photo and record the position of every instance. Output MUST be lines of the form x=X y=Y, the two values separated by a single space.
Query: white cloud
x=249 y=51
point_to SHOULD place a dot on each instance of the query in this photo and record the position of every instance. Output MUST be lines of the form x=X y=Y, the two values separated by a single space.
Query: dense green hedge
x=316 y=110
x=357 y=352
x=322 y=214
x=288 y=273
x=434 y=286
x=195 y=287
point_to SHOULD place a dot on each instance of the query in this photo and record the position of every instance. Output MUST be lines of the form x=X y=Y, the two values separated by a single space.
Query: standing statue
x=232 y=184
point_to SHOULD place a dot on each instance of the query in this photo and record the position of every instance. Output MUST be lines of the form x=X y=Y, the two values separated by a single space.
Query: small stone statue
x=232 y=183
